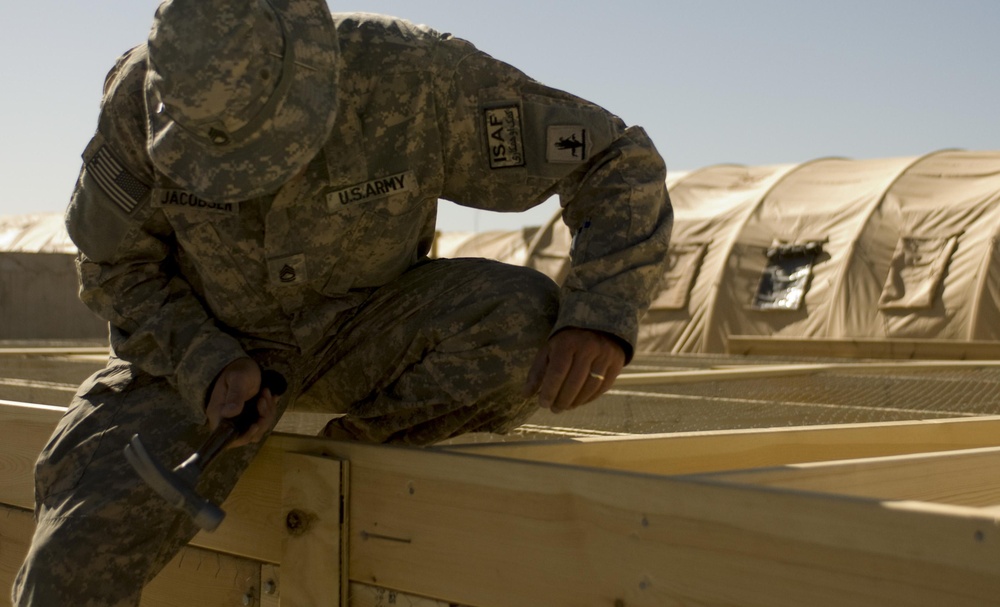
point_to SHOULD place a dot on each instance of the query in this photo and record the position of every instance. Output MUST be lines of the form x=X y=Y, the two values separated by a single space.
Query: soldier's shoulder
x=374 y=27
x=385 y=42
x=128 y=74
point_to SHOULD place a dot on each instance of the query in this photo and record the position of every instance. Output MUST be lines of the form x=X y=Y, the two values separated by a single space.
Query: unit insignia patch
x=504 y=137
x=567 y=144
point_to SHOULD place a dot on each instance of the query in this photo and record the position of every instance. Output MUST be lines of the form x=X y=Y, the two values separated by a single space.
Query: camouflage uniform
x=328 y=282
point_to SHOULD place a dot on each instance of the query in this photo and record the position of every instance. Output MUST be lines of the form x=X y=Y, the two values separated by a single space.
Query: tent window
x=685 y=261
x=917 y=272
x=785 y=280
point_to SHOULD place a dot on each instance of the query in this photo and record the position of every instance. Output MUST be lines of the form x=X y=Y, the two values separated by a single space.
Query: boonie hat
x=240 y=95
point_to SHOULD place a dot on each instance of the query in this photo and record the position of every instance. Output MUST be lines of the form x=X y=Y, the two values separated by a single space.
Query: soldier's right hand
x=236 y=384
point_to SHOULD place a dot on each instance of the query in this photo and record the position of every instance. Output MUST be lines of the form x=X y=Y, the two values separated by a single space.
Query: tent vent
x=685 y=261
x=785 y=279
x=917 y=271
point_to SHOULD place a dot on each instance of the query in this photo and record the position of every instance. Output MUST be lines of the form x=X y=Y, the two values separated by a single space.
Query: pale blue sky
x=749 y=82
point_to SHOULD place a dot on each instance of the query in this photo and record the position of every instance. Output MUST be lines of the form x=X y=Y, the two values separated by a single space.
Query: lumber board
x=962 y=478
x=193 y=577
x=89 y=351
x=486 y=531
x=24 y=430
x=36 y=391
x=790 y=370
x=311 y=561
x=364 y=595
x=270 y=585
x=855 y=348
x=698 y=452
x=452 y=526
x=64 y=369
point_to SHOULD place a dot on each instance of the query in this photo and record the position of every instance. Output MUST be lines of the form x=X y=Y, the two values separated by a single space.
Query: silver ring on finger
x=597 y=376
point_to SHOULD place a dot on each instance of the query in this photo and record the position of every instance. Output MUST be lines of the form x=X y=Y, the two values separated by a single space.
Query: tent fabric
x=36 y=233
x=901 y=248
x=888 y=248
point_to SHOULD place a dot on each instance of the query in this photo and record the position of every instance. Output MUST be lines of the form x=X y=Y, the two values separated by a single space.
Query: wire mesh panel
x=830 y=395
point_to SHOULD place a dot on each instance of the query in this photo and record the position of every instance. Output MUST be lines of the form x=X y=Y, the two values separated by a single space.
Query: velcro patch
x=165 y=198
x=370 y=190
x=124 y=189
x=504 y=137
x=567 y=144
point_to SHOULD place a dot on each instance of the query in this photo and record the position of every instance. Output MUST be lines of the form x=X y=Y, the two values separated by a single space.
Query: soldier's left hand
x=573 y=368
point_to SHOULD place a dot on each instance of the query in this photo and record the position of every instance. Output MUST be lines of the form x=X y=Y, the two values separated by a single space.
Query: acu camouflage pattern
x=239 y=95
x=284 y=270
x=454 y=337
x=327 y=281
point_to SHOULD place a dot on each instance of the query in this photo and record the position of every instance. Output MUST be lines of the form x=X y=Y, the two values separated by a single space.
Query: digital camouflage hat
x=240 y=95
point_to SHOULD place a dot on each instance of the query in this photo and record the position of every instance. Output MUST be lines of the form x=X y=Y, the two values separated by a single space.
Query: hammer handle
x=232 y=427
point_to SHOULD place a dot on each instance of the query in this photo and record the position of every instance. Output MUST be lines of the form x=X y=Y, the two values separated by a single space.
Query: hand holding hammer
x=179 y=486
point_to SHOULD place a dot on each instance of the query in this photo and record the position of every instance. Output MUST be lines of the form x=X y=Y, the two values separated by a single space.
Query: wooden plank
x=35 y=391
x=790 y=370
x=311 y=561
x=692 y=452
x=936 y=349
x=193 y=577
x=962 y=478
x=24 y=430
x=56 y=351
x=364 y=595
x=487 y=532
x=16 y=528
x=270 y=585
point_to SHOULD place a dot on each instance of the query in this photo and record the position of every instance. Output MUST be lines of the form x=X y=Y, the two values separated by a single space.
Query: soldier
x=261 y=192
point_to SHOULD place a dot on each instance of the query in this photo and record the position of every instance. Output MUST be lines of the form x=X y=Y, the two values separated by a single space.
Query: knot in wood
x=297 y=522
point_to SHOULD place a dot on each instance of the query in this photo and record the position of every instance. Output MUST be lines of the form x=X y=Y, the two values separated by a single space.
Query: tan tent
x=38 y=283
x=831 y=249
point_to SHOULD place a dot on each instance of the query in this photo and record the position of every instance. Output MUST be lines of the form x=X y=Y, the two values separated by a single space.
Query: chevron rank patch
x=567 y=144
x=125 y=190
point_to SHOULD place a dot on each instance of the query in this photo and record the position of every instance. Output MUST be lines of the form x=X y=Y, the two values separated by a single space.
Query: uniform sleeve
x=510 y=143
x=126 y=253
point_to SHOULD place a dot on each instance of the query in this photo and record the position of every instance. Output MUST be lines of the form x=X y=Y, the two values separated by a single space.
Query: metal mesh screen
x=825 y=397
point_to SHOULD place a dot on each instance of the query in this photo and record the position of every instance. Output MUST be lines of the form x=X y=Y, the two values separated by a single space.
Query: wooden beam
x=364 y=595
x=694 y=452
x=24 y=430
x=56 y=351
x=488 y=532
x=790 y=370
x=193 y=577
x=962 y=478
x=311 y=561
x=937 y=349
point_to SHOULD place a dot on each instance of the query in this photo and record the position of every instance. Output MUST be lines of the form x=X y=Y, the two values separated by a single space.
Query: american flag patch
x=121 y=187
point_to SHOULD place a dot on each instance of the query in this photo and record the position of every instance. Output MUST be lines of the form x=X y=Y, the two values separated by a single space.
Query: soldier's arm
x=506 y=149
x=125 y=262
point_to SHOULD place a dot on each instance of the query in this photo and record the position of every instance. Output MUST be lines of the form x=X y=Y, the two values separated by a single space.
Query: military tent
x=832 y=249
x=38 y=283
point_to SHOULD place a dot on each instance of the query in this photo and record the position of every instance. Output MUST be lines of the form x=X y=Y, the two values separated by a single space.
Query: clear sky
x=740 y=81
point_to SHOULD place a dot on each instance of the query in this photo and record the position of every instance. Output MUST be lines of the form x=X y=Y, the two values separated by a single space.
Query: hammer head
x=176 y=486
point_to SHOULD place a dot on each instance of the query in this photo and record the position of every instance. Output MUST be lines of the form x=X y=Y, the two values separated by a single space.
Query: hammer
x=178 y=486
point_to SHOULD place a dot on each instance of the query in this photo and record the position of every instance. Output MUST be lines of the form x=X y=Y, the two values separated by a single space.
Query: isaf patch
x=124 y=189
x=567 y=144
x=504 y=137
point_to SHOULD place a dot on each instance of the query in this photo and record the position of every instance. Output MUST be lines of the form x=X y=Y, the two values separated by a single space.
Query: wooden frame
x=861 y=347
x=657 y=521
